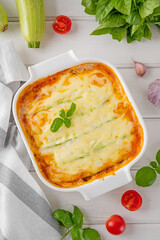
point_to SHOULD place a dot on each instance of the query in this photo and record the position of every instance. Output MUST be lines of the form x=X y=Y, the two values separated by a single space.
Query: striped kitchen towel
x=25 y=213
x=12 y=71
x=5 y=108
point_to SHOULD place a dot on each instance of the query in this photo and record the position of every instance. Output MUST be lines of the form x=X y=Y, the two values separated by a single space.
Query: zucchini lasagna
x=105 y=133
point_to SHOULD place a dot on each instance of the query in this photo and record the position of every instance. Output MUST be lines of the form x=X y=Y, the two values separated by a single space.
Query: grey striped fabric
x=2 y=137
x=25 y=213
x=27 y=195
x=1 y=236
x=10 y=134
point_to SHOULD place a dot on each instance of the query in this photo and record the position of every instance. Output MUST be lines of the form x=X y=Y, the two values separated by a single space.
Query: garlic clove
x=140 y=68
x=154 y=92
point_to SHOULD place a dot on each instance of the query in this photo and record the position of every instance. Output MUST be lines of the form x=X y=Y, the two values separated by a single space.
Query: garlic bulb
x=154 y=92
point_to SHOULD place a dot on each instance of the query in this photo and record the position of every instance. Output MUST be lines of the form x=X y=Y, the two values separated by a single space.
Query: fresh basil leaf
x=153 y=164
x=136 y=27
x=103 y=9
x=95 y=2
x=133 y=18
x=90 y=4
x=64 y=217
x=156 y=11
x=89 y=11
x=147 y=32
x=62 y=113
x=139 y=1
x=123 y=6
x=71 y=110
x=114 y=20
x=91 y=234
x=158 y=156
x=148 y=7
x=129 y=37
x=158 y=169
x=137 y=13
x=57 y=123
x=67 y=122
x=77 y=217
x=118 y=33
x=138 y=35
x=101 y=31
x=145 y=176
x=114 y=11
x=76 y=234
x=153 y=19
x=134 y=5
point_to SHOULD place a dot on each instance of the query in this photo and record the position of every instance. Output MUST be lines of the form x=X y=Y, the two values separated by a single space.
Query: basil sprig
x=147 y=175
x=73 y=222
x=121 y=18
x=58 y=122
x=71 y=110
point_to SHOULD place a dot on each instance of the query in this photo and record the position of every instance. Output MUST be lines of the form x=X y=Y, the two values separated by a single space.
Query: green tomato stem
x=66 y=234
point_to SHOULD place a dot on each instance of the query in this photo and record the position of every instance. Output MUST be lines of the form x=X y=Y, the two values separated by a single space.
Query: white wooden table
x=145 y=223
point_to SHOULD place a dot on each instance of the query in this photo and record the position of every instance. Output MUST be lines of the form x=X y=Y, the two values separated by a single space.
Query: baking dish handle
x=53 y=65
x=99 y=187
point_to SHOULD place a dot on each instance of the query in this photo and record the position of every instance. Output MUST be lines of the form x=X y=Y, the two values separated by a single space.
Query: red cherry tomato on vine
x=131 y=200
x=62 y=24
x=115 y=225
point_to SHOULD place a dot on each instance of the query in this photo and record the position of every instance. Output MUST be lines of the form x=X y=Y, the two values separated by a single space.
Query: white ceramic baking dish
x=99 y=186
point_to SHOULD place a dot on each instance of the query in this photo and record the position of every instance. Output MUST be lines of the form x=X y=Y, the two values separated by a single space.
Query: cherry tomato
x=62 y=24
x=115 y=225
x=131 y=200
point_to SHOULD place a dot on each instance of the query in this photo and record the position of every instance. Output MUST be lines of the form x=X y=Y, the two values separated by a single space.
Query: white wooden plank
x=52 y=8
x=84 y=45
x=132 y=232
x=10 y=8
x=72 y=8
x=139 y=90
x=100 y=209
x=153 y=143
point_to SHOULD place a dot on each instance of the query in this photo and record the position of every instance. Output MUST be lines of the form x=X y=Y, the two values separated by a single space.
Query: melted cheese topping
x=105 y=132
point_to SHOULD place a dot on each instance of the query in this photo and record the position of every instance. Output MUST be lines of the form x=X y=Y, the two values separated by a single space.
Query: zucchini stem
x=34 y=44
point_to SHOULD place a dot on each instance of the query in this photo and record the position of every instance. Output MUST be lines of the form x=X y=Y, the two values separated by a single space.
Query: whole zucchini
x=3 y=19
x=32 y=21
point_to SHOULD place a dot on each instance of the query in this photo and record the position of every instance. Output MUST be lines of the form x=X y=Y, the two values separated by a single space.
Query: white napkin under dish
x=25 y=213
